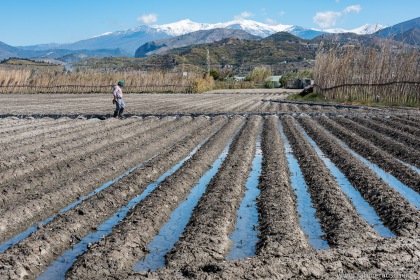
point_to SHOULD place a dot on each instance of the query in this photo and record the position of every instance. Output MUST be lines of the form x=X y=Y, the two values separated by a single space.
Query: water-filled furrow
x=6 y=245
x=58 y=269
x=169 y=234
x=362 y=207
x=376 y=155
x=309 y=223
x=408 y=193
x=245 y=235
x=409 y=165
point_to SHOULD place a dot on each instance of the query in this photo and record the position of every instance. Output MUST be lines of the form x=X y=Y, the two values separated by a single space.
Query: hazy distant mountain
x=193 y=38
x=304 y=33
x=7 y=51
x=407 y=31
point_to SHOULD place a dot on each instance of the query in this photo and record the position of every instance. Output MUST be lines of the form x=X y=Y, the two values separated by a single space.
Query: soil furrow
x=10 y=124
x=381 y=259
x=363 y=147
x=29 y=144
x=340 y=221
x=398 y=125
x=402 y=137
x=67 y=228
x=25 y=184
x=126 y=245
x=206 y=237
x=393 y=147
x=56 y=125
x=395 y=211
x=65 y=148
x=34 y=125
x=280 y=232
x=407 y=121
x=44 y=204
x=79 y=126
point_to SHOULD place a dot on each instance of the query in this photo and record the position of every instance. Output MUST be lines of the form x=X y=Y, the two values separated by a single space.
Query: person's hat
x=121 y=83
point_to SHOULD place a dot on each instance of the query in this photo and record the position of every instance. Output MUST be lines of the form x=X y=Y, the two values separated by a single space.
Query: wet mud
x=64 y=166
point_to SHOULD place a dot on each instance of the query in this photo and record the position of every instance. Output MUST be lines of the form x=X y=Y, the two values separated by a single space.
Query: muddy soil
x=67 y=228
x=395 y=148
x=407 y=121
x=127 y=244
x=392 y=133
x=394 y=210
x=280 y=232
x=50 y=191
x=57 y=148
x=399 y=125
x=342 y=225
x=368 y=150
x=206 y=236
x=383 y=259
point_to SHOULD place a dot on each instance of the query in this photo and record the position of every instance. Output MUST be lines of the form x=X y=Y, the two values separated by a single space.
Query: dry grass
x=53 y=81
x=365 y=70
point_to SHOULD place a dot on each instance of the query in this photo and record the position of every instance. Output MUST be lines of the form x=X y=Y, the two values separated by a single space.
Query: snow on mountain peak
x=181 y=27
x=362 y=30
x=188 y=26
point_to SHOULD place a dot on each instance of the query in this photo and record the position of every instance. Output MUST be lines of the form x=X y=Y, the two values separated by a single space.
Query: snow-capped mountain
x=129 y=40
x=362 y=30
x=187 y=26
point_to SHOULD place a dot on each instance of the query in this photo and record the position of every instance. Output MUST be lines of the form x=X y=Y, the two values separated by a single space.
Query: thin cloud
x=326 y=19
x=147 y=19
x=355 y=8
x=270 y=21
x=329 y=18
x=244 y=15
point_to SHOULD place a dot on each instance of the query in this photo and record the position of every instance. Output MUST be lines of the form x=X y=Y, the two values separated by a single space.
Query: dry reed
x=90 y=81
x=385 y=73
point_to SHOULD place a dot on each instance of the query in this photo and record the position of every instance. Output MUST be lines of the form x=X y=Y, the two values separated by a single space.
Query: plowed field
x=70 y=172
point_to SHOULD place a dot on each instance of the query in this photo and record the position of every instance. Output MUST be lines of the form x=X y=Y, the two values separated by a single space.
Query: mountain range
x=127 y=42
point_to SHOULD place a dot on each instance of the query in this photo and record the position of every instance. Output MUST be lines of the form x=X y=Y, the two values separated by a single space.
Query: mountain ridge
x=130 y=39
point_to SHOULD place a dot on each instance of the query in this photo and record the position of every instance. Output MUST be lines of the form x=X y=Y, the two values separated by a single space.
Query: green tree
x=215 y=74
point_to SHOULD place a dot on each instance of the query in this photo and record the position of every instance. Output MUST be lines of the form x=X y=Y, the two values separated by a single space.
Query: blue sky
x=27 y=22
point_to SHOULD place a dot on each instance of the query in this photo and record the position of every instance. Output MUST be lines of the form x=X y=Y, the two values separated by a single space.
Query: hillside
x=276 y=51
x=353 y=39
x=411 y=37
x=193 y=38
x=407 y=31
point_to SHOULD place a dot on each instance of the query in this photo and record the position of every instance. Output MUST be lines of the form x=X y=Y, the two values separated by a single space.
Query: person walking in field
x=119 y=103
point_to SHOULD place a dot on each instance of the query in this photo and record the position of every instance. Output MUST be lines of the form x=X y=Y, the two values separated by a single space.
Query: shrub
x=215 y=74
x=292 y=76
x=270 y=84
x=258 y=75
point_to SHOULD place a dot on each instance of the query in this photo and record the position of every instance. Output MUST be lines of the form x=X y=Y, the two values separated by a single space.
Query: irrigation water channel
x=308 y=222
x=170 y=233
x=362 y=207
x=245 y=235
x=59 y=268
x=13 y=241
x=412 y=196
